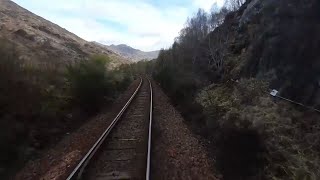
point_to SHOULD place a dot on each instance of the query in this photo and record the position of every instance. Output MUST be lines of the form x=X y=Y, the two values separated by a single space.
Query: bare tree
x=216 y=51
x=234 y=5
x=196 y=30
x=216 y=18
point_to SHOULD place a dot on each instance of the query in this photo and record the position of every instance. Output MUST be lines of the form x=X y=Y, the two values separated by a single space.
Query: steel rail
x=150 y=132
x=78 y=170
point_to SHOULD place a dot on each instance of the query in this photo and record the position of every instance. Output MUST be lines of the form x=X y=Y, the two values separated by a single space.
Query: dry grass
x=290 y=136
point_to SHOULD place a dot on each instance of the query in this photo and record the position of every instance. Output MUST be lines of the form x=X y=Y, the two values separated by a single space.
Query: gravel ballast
x=176 y=152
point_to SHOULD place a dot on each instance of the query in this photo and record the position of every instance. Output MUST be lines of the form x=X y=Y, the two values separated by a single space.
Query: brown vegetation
x=40 y=41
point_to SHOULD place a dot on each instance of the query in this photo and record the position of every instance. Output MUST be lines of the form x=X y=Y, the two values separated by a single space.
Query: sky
x=142 y=24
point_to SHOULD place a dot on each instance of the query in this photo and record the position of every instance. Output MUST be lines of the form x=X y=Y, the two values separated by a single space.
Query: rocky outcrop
x=277 y=41
x=284 y=41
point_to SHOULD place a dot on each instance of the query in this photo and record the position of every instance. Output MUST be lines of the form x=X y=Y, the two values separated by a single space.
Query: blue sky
x=142 y=24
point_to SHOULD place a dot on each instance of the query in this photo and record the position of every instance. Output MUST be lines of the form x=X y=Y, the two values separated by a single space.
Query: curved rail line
x=79 y=169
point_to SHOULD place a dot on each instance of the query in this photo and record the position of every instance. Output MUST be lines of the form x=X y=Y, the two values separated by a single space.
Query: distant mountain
x=133 y=54
x=40 y=41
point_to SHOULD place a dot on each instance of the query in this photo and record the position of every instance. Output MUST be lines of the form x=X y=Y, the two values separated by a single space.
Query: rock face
x=278 y=41
x=133 y=54
x=284 y=43
x=41 y=42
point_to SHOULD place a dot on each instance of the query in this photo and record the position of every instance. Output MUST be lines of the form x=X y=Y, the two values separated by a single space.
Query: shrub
x=90 y=82
x=240 y=153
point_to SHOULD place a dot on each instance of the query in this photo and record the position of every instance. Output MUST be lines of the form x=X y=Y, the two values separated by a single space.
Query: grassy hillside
x=40 y=41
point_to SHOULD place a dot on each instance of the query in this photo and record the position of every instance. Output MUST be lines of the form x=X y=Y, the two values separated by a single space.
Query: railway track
x=123 y=150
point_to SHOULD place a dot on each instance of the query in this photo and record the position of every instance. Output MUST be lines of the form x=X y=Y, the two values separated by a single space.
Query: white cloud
x=137 y=23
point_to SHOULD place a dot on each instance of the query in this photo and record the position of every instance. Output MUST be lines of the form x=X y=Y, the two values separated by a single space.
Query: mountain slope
x=41 y=42
x=133 y=54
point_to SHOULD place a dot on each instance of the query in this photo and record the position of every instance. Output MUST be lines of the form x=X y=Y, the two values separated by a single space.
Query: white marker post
x=274 y=93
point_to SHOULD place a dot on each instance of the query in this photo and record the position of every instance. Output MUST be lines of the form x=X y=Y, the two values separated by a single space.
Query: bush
x=240 y=153
x=178 y=83
x=90 y=82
